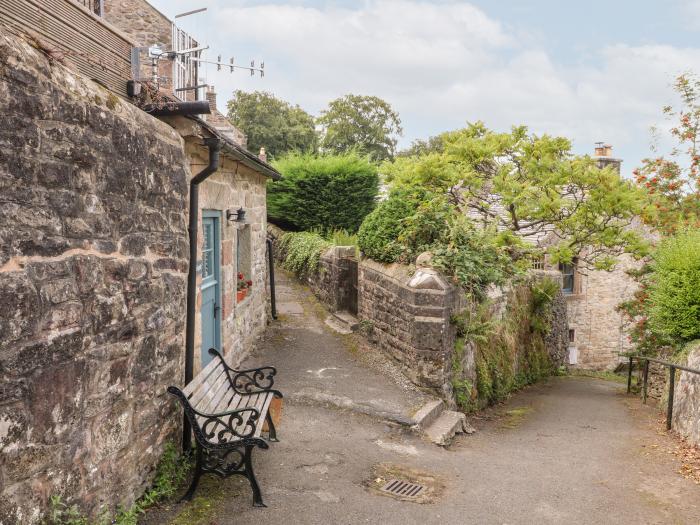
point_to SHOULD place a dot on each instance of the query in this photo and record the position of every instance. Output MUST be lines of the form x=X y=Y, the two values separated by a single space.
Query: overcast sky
x=591 y=71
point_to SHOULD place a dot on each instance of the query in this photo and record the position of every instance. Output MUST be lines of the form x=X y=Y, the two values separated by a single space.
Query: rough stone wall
x=600 y=333
x=93 y=261
x=409 y=318
x=686 y=401
x=234 y=186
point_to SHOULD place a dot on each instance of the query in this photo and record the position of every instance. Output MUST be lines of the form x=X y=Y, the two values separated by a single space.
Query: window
x=243 y=249
x=568 y=272
x=572 y=335
x=538 y=263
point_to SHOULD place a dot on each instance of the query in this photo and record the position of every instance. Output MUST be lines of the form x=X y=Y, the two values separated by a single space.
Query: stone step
x=338 y=326
x=347 y=318
x=343 y=322
x=446 y=426
x=428 y=413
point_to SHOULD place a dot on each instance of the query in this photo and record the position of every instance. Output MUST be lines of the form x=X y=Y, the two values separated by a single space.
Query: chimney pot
x=262 y=155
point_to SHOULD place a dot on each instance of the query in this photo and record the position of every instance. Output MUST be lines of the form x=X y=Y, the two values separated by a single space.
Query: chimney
x=262 y=155
x=211 y=98
x=603 y=156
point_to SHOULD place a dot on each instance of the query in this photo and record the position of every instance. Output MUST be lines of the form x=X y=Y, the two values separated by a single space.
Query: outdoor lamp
x=237 y=216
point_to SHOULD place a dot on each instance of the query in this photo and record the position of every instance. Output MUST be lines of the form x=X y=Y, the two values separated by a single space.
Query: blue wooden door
x=211 y=285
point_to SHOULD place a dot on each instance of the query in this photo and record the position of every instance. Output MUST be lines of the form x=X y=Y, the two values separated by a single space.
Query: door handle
x=216 y=309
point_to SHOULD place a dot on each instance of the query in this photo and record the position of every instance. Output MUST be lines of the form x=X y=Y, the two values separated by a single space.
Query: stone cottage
x=97 y=261
x=597 y=332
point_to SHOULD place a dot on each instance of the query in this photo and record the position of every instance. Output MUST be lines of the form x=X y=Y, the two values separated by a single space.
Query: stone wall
x=600 y=332
x=335 y=282
x=408 y=316
x=93 y=261
x=686 y=401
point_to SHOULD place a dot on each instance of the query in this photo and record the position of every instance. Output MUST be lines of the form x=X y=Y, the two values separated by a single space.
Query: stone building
x=94 y=270
x=597 y=331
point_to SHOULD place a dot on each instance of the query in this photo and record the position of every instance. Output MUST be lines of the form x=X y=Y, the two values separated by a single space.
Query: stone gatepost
x=408 y=316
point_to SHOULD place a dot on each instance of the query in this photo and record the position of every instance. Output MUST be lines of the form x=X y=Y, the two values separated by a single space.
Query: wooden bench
x=226 y=409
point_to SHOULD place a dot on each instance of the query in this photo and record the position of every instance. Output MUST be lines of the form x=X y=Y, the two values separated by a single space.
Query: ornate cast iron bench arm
x=252 y=381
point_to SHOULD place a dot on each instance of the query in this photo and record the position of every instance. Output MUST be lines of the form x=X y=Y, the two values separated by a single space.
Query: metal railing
x=96 y=6
x=645 y=379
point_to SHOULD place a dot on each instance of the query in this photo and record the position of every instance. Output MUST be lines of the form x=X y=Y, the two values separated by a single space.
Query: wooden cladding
x=98 y=51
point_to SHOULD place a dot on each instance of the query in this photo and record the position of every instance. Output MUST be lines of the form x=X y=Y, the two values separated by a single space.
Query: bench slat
x=202 y=376
x=260 y=401
x=219 y=391
x=203 y=389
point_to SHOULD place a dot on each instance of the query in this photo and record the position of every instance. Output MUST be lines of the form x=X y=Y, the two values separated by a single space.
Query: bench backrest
x=210 y=389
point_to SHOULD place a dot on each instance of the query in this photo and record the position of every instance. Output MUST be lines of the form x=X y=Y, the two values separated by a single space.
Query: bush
x=303 y=252
x=322 y=193
x=674 y=293
x=379 y=234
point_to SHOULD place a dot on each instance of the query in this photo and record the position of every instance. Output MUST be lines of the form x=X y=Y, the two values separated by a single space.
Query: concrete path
x=317 y=366
x=571 y=450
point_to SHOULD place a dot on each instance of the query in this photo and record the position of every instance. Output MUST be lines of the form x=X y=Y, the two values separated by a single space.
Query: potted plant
x=242 y=287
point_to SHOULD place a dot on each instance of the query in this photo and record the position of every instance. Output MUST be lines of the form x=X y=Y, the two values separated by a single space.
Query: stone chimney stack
x=604 y=157
x=211 y=98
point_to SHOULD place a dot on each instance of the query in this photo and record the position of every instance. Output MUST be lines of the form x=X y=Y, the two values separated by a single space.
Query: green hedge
x=322 y=193
x=674 y=293
x=378 y=236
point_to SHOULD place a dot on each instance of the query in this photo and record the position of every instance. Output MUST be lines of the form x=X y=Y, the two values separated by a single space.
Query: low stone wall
x=408 y=316
x=686 y=406
x=335 y=282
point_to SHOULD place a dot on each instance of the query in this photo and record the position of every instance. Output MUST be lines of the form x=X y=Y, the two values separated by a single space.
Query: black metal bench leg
x=195 y=478
x=271 y=430
x=257 y=496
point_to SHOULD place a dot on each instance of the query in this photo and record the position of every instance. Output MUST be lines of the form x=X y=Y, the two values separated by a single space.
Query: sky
x=590 y=71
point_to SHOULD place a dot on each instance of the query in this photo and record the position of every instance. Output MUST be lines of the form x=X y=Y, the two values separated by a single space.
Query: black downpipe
x=214 y=146
x=271 y=264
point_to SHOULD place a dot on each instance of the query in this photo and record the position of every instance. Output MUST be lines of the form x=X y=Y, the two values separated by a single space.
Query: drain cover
x=403 y=488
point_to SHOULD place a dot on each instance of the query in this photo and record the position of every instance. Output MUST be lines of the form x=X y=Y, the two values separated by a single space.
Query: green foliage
x=171 y=472
x=272 y=123
x=325 y=193
x=510 y=352
x=543 y=294
x=360 y=123
x=303 y=252
x=674 y=294
x=412 y=221
x=342 y=238
x=529 y=185
x=60 y=513
x=420 y=147
x=379 y=233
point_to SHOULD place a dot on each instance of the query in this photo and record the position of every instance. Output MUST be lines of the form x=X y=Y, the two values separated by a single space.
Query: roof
x=239 y=153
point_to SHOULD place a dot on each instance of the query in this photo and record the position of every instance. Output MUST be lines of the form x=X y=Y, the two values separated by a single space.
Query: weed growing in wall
x=171 y=473
x=510 y=351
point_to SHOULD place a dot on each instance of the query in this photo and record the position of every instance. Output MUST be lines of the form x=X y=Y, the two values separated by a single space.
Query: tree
x=418 y=147
x=531 y=188
x=323 y=193
x=672 y=181
x=272 y=123
x=366 y=124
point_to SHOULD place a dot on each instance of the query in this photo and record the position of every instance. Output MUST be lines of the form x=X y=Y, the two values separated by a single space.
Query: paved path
x=571 y=450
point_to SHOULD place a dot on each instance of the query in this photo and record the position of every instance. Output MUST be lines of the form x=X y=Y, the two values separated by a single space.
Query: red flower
x=240 y=276
x=249 y=283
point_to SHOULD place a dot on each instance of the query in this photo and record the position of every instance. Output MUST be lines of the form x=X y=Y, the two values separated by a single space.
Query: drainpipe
x=214 y=146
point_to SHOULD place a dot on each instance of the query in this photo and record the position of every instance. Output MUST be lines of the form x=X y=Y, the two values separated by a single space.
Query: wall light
x=237 y=216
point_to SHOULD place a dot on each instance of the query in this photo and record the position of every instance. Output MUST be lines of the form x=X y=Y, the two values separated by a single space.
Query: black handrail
x=672 y=367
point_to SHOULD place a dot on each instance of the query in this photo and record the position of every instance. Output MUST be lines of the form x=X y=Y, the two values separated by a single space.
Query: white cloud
x=442 y=64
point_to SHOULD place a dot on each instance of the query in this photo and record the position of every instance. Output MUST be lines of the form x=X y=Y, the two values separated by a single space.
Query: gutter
x=214 y=146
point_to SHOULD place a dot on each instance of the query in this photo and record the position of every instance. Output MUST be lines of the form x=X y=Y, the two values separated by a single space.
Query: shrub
x=303 y=252
x=674 y=293
x=322 y=193
x=379 y=234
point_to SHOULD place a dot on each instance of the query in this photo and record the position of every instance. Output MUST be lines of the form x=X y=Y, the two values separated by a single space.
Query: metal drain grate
x=404 y=489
